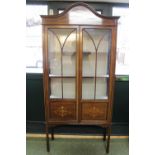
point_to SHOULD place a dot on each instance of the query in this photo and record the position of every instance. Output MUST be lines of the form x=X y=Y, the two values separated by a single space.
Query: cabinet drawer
x=94 y=111
x=62 y=111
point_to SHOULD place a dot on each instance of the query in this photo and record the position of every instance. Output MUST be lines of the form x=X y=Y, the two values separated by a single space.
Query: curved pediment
x=80 y=14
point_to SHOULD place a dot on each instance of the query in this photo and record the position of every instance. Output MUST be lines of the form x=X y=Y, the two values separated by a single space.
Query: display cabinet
x=79 y=50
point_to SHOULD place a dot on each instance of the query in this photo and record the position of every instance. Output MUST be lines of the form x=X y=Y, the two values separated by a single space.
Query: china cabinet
x=79 y=50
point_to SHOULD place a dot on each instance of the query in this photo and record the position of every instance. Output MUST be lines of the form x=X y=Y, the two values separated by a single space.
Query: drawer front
x=62 y=111
x=94 y=111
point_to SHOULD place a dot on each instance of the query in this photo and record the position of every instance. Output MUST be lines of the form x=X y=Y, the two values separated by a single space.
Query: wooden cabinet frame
x=79 y=111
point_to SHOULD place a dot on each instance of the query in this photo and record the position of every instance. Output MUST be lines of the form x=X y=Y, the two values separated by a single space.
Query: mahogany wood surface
x=79 y=17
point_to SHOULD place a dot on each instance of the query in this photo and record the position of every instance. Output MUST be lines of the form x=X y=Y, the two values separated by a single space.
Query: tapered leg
x=108 y=140
x=104 y=134
x=47 y=139
x=52 y=133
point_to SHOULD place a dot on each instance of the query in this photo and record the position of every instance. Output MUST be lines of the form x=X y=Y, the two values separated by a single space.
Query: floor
x=62 y=146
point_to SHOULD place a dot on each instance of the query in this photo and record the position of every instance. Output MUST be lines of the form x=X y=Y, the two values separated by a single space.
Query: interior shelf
x=98 y=98
x=87 y=53
x=52 y=97
x=64 y=53
x=104 y=76
x=71 y=76
x=102 y=98
x=59 y=76
x=55 y=97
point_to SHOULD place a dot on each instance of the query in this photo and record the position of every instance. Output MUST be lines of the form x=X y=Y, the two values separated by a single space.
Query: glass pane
x=103 y=41
x=102 y=64
x=96 y=52
x=54 y=54
x=96 y=41
x=88 y=66
x=62 y=49
x=103 y=53
x=69 y=64
x=88 y=88
x=56 y=88
x=69 y=88
x=69 y=55
x=101 y=88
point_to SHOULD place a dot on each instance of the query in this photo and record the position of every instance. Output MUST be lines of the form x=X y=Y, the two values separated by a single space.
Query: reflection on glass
x=62 y=51
x=62 y=62
x=101 y=88
x=102 y=64
x=55 y=64
x=88 y=88
x=54 y=54
x=88 y=56
x=69 y=55
x=96 y=47
x=69 y=65
x=96 y=51
x=89 y=65
x=69 y=88
x=56 y=88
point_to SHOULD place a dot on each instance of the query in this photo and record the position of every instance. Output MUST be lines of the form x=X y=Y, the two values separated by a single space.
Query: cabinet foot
x=52 y=133
x=108 y=139
x=47 y=140
x=104 y=134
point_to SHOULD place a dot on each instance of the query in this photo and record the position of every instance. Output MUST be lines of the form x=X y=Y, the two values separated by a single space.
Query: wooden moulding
x=79 y=14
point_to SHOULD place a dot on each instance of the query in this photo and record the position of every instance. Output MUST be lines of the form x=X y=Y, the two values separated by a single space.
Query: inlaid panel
x=62 y=111
x=94 y=111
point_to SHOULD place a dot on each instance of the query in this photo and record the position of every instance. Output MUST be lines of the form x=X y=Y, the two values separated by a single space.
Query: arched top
x=80 y=14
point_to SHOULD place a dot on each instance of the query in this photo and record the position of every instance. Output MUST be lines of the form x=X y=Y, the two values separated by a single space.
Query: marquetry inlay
x=94 y=111
x=62 y=111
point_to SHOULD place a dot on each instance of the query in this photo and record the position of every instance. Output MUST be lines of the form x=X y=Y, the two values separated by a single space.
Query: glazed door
x=62 y=71
x=95 y=53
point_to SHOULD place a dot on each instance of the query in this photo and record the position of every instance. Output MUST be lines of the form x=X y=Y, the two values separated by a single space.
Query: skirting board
x=73 y=136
